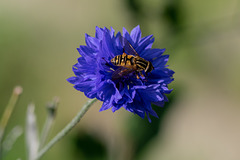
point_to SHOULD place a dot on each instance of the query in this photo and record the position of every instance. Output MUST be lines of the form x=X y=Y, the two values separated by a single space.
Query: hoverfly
x=130 y=63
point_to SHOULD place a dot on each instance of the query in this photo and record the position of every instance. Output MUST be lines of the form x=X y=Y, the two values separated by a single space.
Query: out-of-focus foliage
x=89 y=147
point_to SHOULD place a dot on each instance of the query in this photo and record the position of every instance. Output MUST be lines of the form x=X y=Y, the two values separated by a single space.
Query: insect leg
x=136 y=73
x=141 y=74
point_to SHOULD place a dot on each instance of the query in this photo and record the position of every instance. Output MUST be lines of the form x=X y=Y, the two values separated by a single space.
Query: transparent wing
x=127 y=46
x=120 y=72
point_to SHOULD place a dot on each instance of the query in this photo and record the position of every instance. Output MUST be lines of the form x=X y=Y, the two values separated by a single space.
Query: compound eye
x=112 y=60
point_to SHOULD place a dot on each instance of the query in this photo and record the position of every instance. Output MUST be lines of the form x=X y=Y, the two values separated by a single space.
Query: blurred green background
x=38 y=41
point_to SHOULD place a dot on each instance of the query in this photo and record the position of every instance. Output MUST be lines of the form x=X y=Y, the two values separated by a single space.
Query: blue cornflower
x=133 y=91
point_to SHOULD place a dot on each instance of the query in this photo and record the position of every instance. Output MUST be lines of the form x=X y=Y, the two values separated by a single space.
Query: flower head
x=132 y=88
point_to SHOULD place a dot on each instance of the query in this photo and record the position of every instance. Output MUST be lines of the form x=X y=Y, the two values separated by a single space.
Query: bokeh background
x=38 y=41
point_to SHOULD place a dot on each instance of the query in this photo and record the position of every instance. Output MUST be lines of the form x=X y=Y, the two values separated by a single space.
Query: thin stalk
x=67 y=129
x=46 y=129
x=51 y=109
x=8 y=112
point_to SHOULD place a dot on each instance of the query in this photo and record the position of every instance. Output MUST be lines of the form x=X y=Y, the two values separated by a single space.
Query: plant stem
x=67 y=129
x=51 y=108
x=17 y=91
x=46 y=129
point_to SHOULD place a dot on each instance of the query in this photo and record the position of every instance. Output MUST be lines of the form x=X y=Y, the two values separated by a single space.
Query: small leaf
x=11 y=138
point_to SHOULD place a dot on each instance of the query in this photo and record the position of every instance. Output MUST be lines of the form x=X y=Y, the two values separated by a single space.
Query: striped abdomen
x=124 y=60
x=143 y=64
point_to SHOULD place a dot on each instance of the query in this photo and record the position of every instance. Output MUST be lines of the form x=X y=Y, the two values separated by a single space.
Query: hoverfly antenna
x=104 y=59
x=106 y=62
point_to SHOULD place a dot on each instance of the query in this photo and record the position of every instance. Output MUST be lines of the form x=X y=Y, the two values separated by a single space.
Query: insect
x=130 y=63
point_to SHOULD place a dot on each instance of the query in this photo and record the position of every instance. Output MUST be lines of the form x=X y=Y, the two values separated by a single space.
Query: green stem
x=46 y=129
x=51 y=108
x=67 y=129
x=8 y=112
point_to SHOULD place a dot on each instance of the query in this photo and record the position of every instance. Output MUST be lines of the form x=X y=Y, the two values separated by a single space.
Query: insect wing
x=120 y=72
x=127 y=46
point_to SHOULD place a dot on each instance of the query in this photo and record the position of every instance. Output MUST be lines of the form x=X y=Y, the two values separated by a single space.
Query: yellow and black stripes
x=141 y=64
x=123 y=60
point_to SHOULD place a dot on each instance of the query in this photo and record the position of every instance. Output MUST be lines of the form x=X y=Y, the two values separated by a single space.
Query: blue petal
x=152 y=54
x=127 y=97
x=149 y=119
x=118 y=49
x=160 y=62
x=128 y=37
x=136 y=34
x=92 y=42
x=168 y=71
x=108 y=92
x=159 y=74
x=163 y=75
x=112 y=31
x=74 y=80
x=107 y=49
x=151 y=93
x=105 y=106
x=75 y=69
x=130 y=94
x=125 y=34
x=145 y=43
x=117 y=107
x=80 y=68
x=141 y=113
x=153 y=113
x=84 y=86
x=87 y=52
x=134 y=108
x=160 y=103
x=99 y=33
